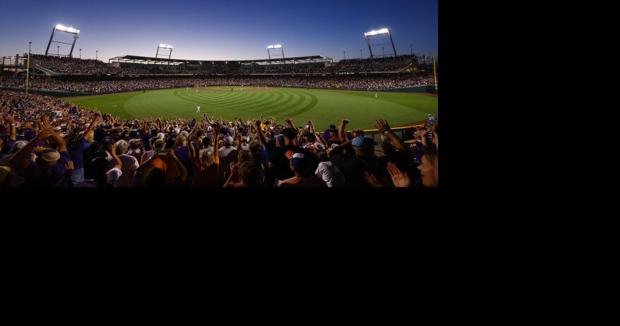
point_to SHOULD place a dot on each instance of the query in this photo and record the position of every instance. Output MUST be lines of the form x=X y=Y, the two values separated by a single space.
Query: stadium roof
x=153 y=60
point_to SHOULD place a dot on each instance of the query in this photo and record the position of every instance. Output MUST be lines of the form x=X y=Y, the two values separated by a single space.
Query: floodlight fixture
x=378 y=32
x=165 y=47
x=274 y=47
x=65 y=29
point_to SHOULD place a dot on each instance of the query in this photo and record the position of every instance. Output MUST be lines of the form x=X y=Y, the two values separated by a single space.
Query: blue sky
x=221 y=29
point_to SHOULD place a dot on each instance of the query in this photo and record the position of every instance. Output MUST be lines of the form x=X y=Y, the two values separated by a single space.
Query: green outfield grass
x=323 y=107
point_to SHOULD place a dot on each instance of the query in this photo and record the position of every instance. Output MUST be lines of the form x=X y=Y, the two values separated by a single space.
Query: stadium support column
x=50 y=42
x=283 y=57
x=393 y=46
x=369 y=47
x=75 y=37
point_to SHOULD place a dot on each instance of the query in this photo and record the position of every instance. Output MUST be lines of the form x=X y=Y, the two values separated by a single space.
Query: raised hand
x=112 y=149
x=234 y=169
x=70 y=166
x=383 y=125
x=44 y=134
x=372 y=179
x=399 y=178
x=45 y=124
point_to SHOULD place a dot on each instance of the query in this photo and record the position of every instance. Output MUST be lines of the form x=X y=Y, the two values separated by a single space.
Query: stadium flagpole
x=435 y=72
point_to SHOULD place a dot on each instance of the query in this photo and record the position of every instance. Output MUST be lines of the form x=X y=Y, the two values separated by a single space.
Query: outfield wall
x=420 y=89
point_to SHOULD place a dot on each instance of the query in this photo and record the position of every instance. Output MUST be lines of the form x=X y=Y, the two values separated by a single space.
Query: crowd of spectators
x=67 y=65
x=365 y=83
x=45 y=142
x=374 y=65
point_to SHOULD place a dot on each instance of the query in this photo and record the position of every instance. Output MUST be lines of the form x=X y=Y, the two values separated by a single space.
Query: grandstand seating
x=128 y=65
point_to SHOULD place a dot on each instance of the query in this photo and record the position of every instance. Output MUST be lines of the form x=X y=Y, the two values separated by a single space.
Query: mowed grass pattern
x=323 y=107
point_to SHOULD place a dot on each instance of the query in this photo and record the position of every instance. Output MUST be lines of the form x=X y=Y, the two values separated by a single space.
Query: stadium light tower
x=382 y=31
x=275 y=47
x=69 y=30
x=166 y=47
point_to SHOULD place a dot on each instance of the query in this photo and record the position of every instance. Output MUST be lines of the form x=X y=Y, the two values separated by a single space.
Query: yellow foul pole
x=27 y=73
x=435 y=71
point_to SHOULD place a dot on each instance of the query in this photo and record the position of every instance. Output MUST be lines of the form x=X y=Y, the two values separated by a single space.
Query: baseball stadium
x=365 y=118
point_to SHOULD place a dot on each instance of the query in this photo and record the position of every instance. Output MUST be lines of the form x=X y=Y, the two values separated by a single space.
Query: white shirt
x=129 y=167
x=330 y=174
x=113 y=176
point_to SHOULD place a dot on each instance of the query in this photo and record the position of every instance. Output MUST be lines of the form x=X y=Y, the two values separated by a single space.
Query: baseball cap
x=134 y=143
x=363 y=142
x=19 y=145
x=298 y=160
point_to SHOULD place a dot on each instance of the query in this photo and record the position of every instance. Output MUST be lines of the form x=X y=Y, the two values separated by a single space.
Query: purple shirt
x=45 y=175
x=76 y=151
x=183 y=155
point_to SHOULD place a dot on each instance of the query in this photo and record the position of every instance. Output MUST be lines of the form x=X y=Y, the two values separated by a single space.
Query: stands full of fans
x=366 y=83
x=65 y=65
x=75 y=66
x=45 y=142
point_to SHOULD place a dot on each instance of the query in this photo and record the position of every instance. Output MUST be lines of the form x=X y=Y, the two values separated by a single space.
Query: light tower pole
x=97 y=55
x=28 y=68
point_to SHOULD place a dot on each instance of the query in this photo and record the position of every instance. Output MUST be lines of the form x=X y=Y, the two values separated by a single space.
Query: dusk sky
x=220 y=29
